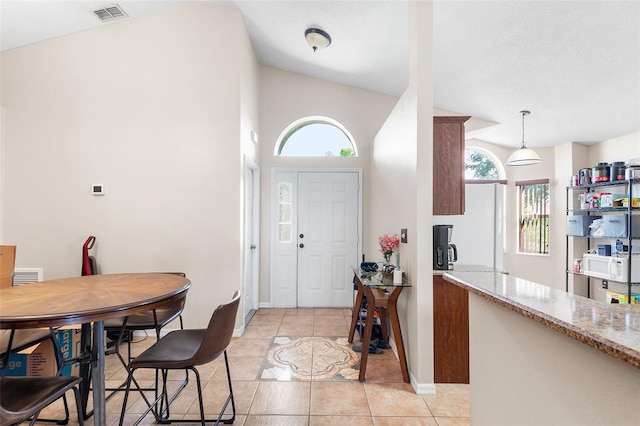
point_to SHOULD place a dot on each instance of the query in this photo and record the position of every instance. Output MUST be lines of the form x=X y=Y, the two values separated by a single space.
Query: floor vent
x=110 y=12
x=27 y=275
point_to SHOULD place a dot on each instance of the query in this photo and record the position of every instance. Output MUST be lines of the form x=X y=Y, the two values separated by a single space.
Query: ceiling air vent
x=113 y=11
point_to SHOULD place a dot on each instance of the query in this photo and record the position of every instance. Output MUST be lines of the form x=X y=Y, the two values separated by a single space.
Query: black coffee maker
x=444 y=253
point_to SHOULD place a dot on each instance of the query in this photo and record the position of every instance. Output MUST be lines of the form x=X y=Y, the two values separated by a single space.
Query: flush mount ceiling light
x=317 y=39
x=113 y=11
x=524 y=156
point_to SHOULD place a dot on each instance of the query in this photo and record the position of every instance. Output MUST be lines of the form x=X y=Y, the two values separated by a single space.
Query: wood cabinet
x=448 y=165
x=450 y=332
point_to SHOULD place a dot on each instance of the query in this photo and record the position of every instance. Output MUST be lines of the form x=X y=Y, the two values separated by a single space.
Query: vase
x=387 y=257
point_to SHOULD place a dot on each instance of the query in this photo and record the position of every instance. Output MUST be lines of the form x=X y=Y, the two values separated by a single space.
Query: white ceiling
x=574 y=65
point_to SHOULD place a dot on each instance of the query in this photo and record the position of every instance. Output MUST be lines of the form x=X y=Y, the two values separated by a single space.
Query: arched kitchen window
x=316 y=137
x=481 y=164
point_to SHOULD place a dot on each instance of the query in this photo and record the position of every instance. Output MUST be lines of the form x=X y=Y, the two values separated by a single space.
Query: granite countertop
x=467 y=268
x=611 y=328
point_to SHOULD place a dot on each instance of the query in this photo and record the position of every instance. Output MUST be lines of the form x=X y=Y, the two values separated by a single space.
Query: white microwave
x=611 y=268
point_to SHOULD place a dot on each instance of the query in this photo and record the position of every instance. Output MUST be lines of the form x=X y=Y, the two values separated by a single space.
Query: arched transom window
x=316 y=137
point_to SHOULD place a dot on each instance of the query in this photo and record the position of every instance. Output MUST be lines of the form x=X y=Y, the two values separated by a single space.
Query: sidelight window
x=533 y=224
x=285 y=206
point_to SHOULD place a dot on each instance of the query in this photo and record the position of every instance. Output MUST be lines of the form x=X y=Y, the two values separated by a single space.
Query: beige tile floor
x=323 y=390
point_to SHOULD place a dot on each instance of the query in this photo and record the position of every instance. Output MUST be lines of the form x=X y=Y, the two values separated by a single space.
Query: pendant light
x=523 y=156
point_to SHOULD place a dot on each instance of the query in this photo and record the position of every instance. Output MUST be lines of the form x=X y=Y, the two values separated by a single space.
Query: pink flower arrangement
x=388 y=244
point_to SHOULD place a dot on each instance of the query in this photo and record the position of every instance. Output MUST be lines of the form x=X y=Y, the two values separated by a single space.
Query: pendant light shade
x=317 y=39
x=523 y=156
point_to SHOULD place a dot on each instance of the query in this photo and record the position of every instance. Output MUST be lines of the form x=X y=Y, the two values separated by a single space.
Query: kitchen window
x=480 y=165
x=316 y=137
x=533 y=223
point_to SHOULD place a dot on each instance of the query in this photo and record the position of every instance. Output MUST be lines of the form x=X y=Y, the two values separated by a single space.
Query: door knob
x=301 y=245
x=253 y=247
x=301 y=235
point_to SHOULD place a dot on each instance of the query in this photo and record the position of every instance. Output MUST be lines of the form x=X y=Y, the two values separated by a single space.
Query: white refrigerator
x=479 y=233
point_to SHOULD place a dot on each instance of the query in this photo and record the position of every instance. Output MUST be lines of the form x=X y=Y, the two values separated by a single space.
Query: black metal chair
x=13 y=341
x=155 y=319
x=186 y=349
x=24 y=397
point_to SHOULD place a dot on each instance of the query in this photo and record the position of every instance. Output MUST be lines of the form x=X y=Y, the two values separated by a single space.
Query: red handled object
x=89 y=266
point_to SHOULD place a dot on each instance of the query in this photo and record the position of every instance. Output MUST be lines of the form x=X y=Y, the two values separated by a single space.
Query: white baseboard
x=264 y=305
x=237 y=332
x=422 y=388
x=419 y=388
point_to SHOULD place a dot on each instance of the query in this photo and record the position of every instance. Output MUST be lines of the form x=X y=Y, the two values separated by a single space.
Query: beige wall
x=622 y=148
x=401 y=182
x=153 y=108
x=286 y=97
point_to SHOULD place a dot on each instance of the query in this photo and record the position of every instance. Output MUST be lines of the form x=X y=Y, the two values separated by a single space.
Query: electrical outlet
x=403 y=235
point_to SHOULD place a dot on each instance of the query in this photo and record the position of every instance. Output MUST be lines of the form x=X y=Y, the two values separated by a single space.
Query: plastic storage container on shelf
x=617 y=170
x=632 y=171
x=600 y=173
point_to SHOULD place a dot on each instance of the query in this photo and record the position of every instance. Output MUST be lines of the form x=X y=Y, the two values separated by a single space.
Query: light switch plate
x=403 y=235
x=97 y=189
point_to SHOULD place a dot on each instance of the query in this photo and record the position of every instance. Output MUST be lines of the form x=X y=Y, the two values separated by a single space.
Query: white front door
x=316 y=231
x=327 y=238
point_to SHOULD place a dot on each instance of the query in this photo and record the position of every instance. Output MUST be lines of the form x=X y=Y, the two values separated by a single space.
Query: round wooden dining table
x=89 y=299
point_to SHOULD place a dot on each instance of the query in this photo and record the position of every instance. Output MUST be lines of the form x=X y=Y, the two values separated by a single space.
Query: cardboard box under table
x=40 y=359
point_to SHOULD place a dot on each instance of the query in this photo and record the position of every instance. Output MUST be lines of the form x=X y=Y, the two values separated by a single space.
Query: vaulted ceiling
x=574 y=65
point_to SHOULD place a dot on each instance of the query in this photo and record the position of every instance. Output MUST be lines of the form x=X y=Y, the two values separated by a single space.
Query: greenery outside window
x=533 y=222
x=480 y=166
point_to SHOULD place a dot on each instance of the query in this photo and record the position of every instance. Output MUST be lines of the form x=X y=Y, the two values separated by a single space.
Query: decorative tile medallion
x=310 y=358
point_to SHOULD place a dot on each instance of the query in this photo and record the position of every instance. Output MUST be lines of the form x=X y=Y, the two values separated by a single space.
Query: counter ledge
x=610 y=328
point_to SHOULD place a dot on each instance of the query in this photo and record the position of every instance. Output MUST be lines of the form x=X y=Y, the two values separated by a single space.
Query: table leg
x=97 y=374
x=397 y=333
x=384 y=325
x=85 y=368
x=357 y=306
x=368 y=328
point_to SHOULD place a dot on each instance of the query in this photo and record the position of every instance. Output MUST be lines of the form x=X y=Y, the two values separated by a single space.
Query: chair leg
x=229 y=398
x=126 y=396
x=34 y=419
x=76 y=394
x=160 y=418
x=203 y=422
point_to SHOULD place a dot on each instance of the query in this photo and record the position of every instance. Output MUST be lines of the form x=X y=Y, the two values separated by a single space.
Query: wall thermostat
x=97 y=189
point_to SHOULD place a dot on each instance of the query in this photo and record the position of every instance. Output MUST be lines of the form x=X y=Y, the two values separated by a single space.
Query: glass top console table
x=381 y=294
